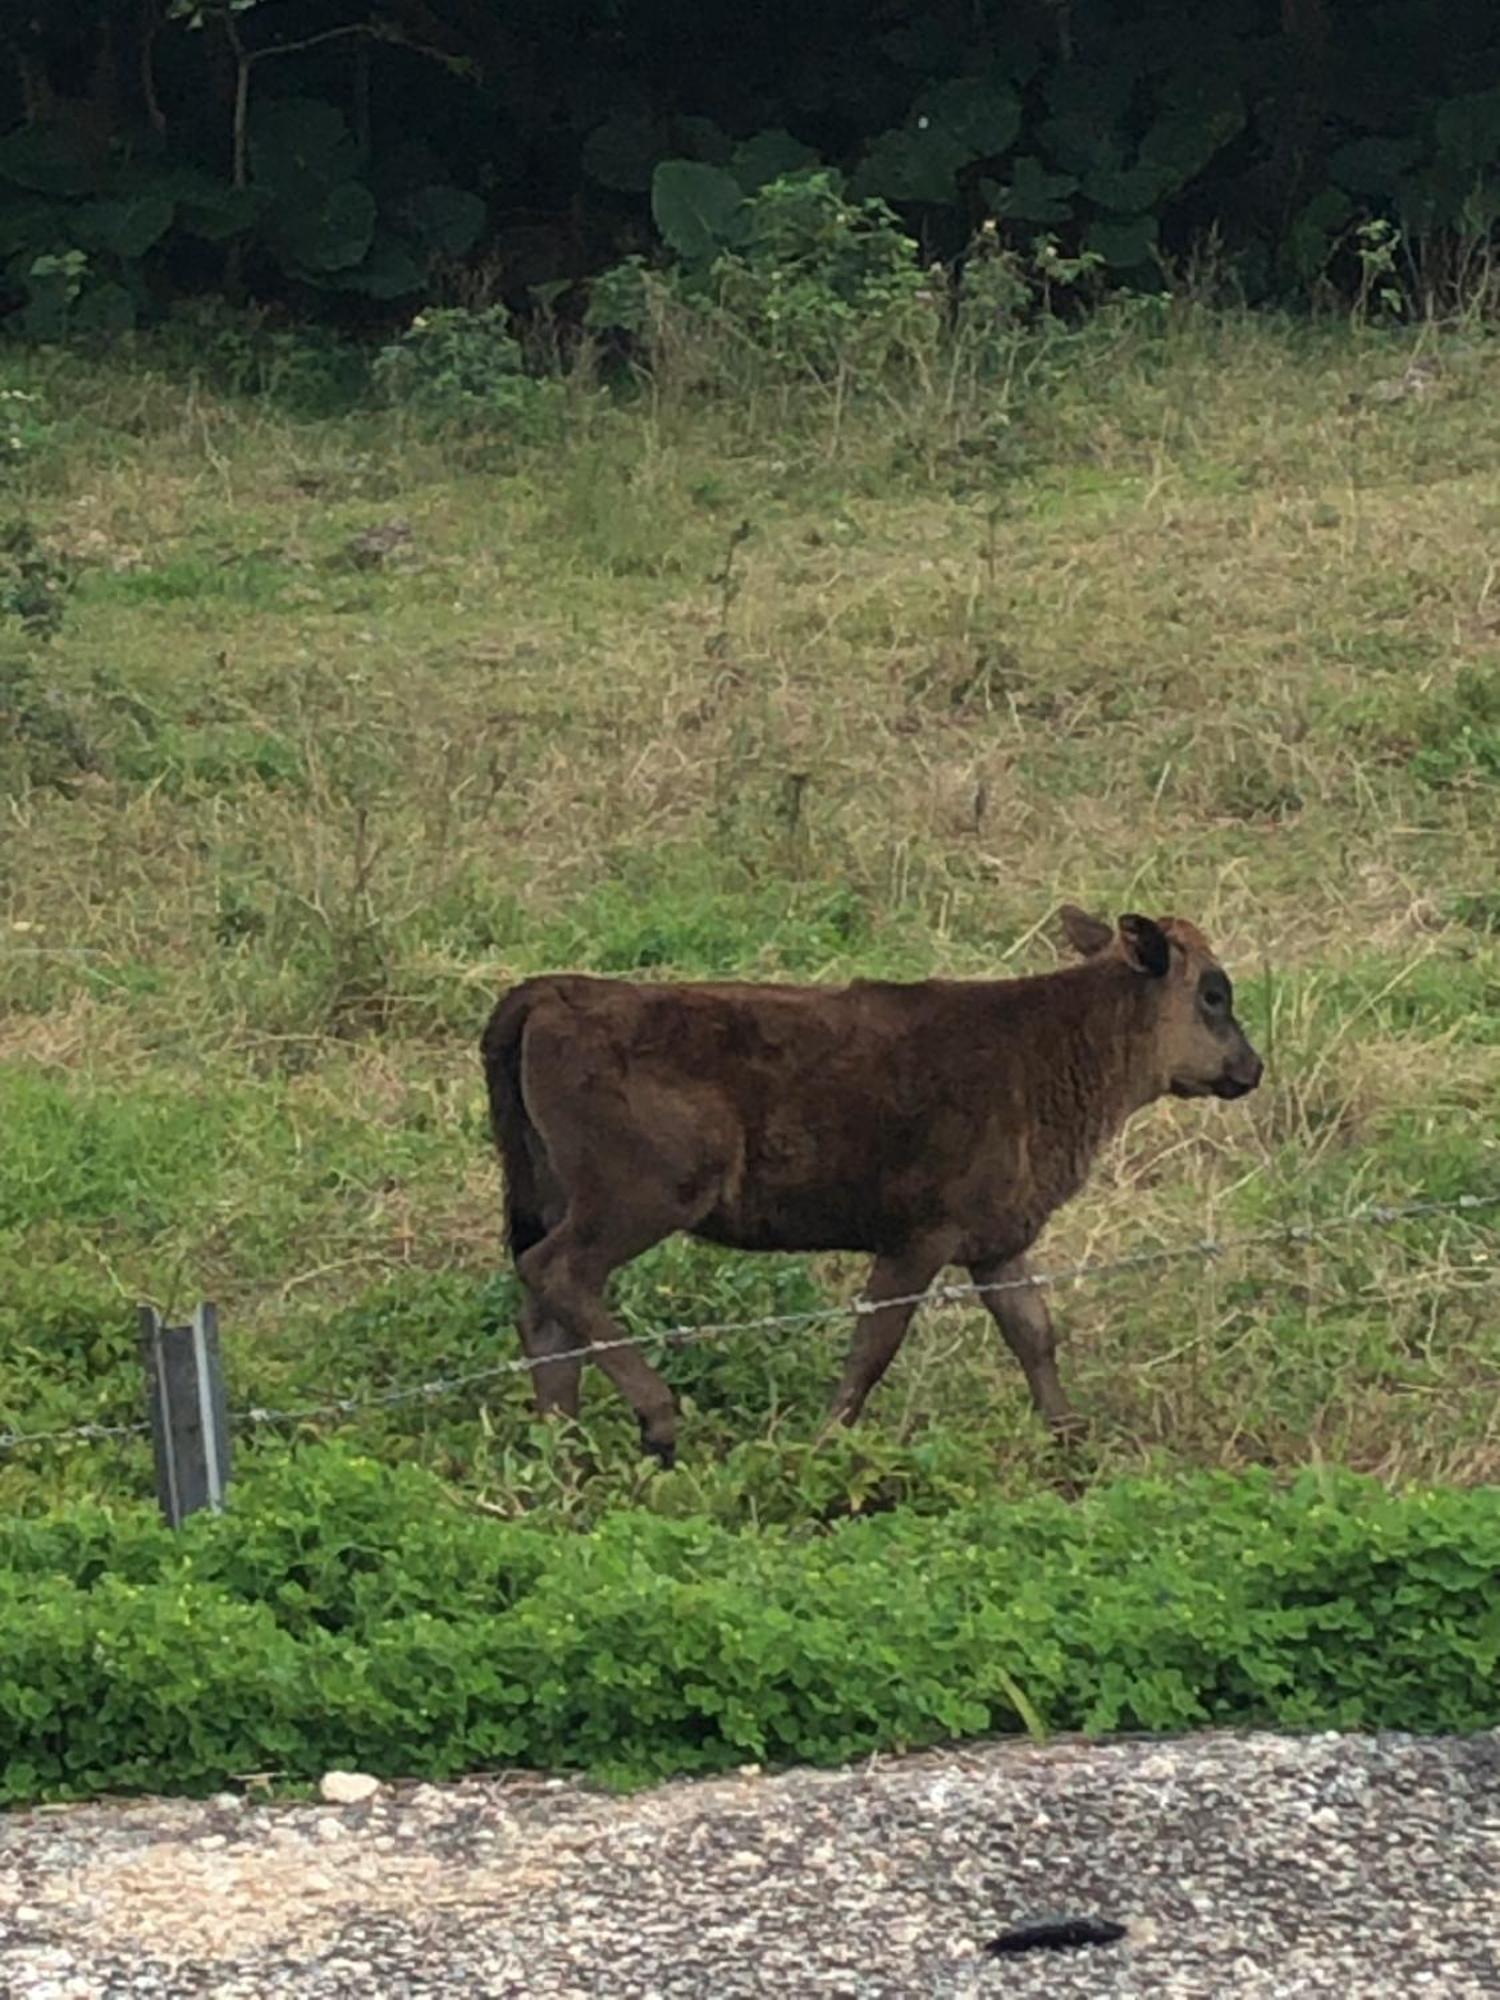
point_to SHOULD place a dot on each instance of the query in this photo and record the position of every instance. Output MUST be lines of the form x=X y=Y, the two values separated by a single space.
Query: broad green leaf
x=951 y=126
x=331 y=232
x=768 y=156
x=1080 y=145
x=1128 y=190
x=1182 y=144
x=1123 y=243
x=301 y=146
x=1032 y=194
x=125 y=228
x=621 y=152
x=445 y=219
x=907 y=165
x=215 y=217
x=980 y=114
x=697 y=208
x=391 y=270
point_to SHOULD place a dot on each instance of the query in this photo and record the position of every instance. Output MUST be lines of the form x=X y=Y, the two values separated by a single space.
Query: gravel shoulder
x=1246 y=1865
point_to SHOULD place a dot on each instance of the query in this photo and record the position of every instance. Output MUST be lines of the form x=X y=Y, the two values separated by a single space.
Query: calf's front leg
x=893 y=1290
x=1020 y=1312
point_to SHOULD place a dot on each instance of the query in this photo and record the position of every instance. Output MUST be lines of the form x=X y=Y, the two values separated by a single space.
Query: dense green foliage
x=336 y=149
x=343 y=1612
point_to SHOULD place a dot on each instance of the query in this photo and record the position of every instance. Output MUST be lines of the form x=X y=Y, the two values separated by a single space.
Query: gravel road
x=1240 y=1866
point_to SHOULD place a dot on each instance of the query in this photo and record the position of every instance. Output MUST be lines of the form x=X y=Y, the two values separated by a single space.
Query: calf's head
x=1197 y=1048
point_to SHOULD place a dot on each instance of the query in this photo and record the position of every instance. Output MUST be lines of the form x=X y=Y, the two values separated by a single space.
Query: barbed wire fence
x=1372 y=1215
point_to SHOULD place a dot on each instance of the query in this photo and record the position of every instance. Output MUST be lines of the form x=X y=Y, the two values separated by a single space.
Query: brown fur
x=927 y=1124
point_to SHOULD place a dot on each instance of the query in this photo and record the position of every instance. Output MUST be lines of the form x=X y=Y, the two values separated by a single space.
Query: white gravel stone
x=347 y=1788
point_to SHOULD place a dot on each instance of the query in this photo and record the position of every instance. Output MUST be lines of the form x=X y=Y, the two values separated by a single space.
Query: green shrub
x=800 y=274
x=344 y=1611
x=822 y=282
x=458 y=364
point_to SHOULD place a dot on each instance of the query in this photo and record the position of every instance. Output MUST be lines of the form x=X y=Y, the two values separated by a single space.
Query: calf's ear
x=1146 y=945
x=1087 y=935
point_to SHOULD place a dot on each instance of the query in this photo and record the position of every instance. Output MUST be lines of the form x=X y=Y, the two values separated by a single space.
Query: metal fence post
x=188 y=1410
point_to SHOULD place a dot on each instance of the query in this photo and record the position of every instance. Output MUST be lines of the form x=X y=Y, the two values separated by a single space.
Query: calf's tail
x=517 y=1139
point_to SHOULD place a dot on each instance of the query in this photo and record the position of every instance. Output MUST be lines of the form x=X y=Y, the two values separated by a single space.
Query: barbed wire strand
x=1371 y=1215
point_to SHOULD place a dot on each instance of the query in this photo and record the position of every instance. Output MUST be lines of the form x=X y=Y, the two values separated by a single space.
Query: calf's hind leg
x=566 y=1274
x=555 y=1381
x=556 y=1373
x=1021 y=1314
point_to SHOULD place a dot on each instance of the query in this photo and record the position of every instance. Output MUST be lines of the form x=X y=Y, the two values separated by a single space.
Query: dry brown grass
x=1211 y=638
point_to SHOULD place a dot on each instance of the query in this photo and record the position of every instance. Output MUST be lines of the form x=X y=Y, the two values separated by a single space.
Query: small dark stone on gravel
x=1056 y=1934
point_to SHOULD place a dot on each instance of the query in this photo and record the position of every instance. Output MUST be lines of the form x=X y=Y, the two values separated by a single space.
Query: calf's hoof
x=843 y=1414
x=659 y=1444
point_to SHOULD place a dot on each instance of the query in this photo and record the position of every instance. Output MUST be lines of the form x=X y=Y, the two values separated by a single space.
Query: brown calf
x=929 y=1124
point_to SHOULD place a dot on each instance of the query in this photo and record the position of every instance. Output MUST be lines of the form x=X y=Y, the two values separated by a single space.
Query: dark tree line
x=331 y=150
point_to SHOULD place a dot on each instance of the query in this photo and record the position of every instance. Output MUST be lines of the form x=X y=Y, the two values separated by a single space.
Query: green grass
x=1168 y=622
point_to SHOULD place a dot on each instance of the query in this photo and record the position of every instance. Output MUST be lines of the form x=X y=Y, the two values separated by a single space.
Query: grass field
x=1199 y=615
